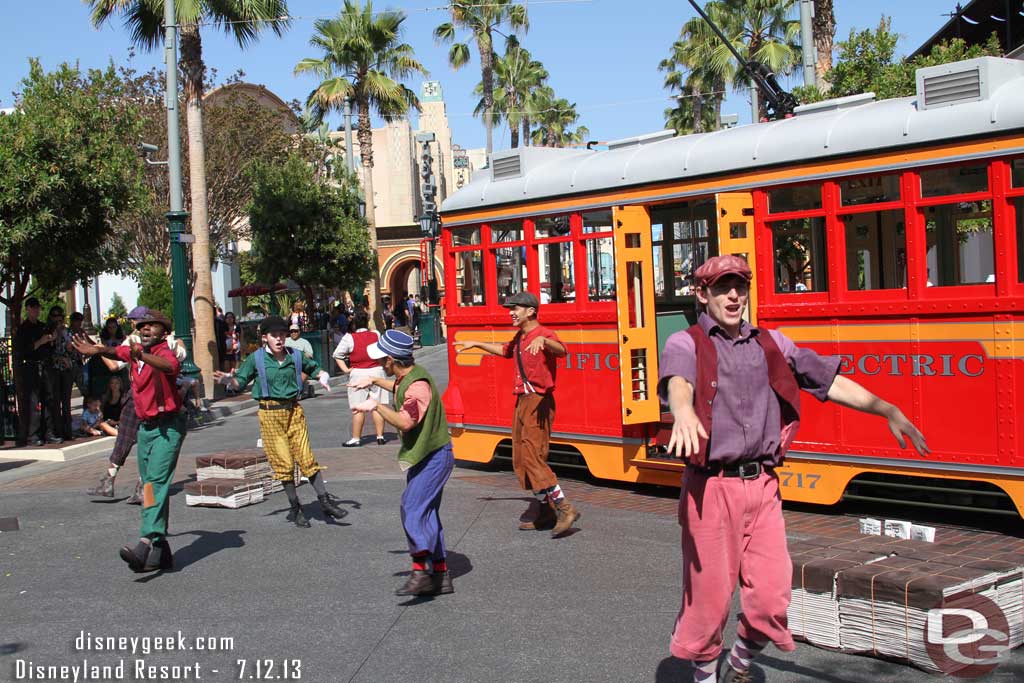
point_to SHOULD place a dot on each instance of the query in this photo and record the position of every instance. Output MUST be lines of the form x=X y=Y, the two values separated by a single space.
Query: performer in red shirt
x=153 y=369
x=535 y=349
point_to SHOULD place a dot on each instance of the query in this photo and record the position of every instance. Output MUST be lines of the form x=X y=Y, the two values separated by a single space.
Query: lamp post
x=177 y=215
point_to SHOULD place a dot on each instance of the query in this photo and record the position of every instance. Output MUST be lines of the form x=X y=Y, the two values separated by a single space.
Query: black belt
x=743 y=470
x=278 y=403
x=159 y=419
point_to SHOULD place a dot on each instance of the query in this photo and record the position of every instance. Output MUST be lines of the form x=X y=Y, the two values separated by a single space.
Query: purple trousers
x=421 y=502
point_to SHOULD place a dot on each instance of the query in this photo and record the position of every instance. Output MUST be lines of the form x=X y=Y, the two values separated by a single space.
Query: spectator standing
x=232 y=343
x=32 y=347
x=60 y=375
x=295 y=341
x=81 y=376
x=298 y=316
x=111 y=334
x=353 y=359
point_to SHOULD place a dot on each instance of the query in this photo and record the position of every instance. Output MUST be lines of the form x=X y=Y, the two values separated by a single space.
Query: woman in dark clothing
x=60 y=375
x=113 y=400
x=111 y=334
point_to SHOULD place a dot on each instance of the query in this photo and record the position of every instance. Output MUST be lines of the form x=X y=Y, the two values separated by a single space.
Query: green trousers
x=159 y=446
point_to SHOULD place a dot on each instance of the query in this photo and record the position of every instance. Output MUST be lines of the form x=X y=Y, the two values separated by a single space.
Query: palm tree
x=517 y=74
x=765 y=34
x=482 y=19
x=243 y=20
x=363 y=60
x=824 y=28
x=555 y=123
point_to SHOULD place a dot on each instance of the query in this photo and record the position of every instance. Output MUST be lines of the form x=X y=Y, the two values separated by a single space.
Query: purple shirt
x=746 y=418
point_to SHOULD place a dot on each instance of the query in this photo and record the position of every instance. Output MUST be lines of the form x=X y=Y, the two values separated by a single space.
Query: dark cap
x=718 y=267
x=154 y=316
x=273 y=323
x=525 y=299
x=138 y=313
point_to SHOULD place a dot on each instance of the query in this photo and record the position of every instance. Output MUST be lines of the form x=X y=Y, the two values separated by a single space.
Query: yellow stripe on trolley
x=473 y=357
x=1000 y=339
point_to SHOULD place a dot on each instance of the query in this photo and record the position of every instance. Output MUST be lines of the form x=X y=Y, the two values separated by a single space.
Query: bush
x=155 y=290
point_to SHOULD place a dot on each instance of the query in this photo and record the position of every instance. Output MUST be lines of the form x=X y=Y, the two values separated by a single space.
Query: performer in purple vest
x=733 y=390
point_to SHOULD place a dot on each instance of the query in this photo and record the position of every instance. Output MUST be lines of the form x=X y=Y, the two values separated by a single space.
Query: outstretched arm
x=686 y=426
x=846 y=392
x=489 y=347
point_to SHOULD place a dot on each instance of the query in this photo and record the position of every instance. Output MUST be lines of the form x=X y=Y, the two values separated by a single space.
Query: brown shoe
x=419 y=583
x=443 y=583
x=567 y=514
x=105 y=488
x=544 y=519
x=731 y=675
x=136 y=497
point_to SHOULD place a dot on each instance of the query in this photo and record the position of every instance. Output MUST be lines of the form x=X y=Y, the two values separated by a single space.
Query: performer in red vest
x=734 y=393
x=352 y=359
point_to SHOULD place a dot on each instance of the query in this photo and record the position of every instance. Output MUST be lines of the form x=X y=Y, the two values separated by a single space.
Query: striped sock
x=743 y=652
x=555 y=494
x=542 y=496
x=112 y=470
x=704 y=672
x=419 y=562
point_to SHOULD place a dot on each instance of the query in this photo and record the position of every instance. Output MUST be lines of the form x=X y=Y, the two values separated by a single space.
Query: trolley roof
x=983 y=96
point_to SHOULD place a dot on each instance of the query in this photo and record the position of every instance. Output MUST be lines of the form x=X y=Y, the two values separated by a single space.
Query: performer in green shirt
x=279 y=373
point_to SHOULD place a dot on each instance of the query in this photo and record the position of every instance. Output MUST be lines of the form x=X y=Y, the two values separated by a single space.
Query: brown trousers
x=531 y=435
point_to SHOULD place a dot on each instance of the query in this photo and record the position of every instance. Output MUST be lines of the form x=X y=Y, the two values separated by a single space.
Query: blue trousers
x=421 y=502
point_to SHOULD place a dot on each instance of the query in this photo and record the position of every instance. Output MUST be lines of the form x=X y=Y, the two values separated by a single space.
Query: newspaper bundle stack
x=248 y=468
x=225 y=493
x=814 y=609
x=884 y=607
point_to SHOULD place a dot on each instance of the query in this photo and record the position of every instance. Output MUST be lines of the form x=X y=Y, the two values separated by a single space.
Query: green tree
x=117 y=308
x=482 y=18
x=307 y=231
x=155 y=290
x=867 y=62
x=239 y=131
x=363 y=59
x=66 y=174
x=243 y=20
x=517 y=76
x=555 y=125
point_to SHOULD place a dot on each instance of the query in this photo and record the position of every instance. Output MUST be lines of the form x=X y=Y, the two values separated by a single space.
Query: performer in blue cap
x=425 y=456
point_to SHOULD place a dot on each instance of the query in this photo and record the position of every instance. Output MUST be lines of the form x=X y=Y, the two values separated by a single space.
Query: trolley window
x=794 y=198
x=870 y=190
x=682 y=238
x=876 y=250
x=469 y=278
x=599 y=248
x=960 y=246
x=937 y=182
x=800 y=256
x=555 y=261
x=1017 y=172
x=507 y=232
x=464 y=237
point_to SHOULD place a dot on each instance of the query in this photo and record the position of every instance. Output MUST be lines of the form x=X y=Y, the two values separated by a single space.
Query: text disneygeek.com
x=117 y=658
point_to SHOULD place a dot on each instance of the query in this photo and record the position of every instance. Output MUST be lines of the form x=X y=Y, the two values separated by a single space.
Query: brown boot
x=544 y=519
x=567 y=514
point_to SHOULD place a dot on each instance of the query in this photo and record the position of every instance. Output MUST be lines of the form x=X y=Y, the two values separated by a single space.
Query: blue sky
x=601 y=54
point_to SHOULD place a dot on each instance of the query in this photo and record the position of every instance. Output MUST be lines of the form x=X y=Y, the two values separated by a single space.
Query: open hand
x=536 y=346
x=686 y=434
x=325 y=382
x=367 y=406
x=84 y=345
x=361 y=383
x=901 y=427
x=464 y=345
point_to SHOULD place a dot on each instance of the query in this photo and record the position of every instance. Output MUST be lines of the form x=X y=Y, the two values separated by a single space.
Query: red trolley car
x=890 y=233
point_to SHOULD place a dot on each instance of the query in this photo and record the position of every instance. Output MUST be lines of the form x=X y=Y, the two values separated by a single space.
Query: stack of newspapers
x=874 y=595
x=231 y=480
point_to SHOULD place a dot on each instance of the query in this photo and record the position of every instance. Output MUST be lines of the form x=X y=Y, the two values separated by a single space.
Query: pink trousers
x=732 y=530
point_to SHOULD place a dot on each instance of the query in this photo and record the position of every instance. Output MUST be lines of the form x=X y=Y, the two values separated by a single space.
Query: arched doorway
x=404 y=279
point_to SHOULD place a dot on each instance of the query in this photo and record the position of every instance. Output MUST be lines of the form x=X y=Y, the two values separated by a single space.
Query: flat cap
x=525 y=299
x=154 y=316
x=718 y=267
x=273 y=323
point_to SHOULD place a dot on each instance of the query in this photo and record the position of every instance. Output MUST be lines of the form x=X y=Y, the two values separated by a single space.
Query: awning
x=256 y=289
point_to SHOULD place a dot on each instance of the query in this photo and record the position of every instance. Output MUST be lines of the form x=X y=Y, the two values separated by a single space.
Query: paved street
x=598 y=605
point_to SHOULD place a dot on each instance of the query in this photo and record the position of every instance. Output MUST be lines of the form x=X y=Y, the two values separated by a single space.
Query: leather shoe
x=544 y=519
x=105 y=488
x=36 y=442
x=54 y=440
x=329 y=508
x=381 y=441
x=443 y=583
x=419 y=583
x=567 y=514
x=136 y=497
x=731 y=675
x=297 y=517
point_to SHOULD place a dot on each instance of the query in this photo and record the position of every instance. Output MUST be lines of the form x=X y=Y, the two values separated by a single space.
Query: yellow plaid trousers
x=286 y=442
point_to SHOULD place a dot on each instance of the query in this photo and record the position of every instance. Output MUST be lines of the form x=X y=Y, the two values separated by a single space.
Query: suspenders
x=261 y=371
